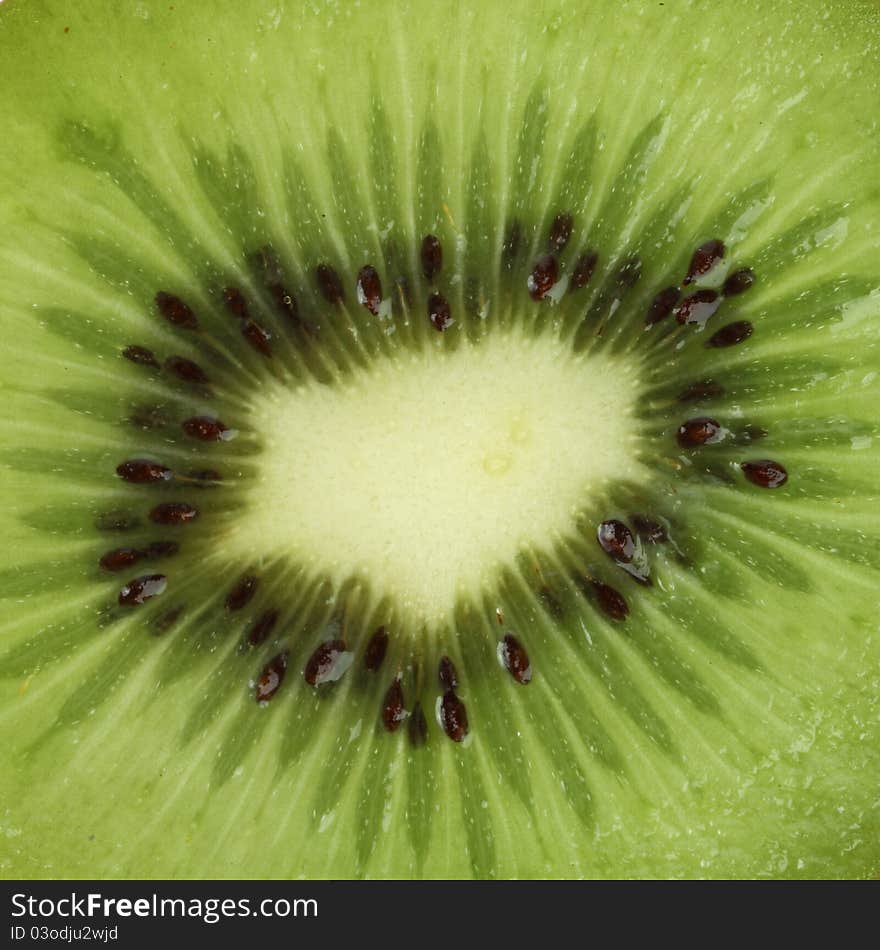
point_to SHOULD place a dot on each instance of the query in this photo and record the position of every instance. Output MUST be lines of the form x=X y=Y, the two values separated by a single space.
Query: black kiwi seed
x=661 y=306
x=320 y=664
x=173 y=512
x=393 y=709
x=205 y=428
x=616 y=540
x=698 y=431
x=447 y=673
x=610 y=600
x=418 y=726
x=515 y=659
x=235 y=302
x=156 y=550
x=271 y=677
x=120 y=558
x=376 y=649
x=702 y=389
x=432 y=256
x=262 y=627
x=141 y=355
x=698 y=306
x=543 y=276
x=257 y=336
x=560 y=231
x=140 y=471
x=738 y=282
x=731 y=334
x=175 y=311
x=764 y=472
x=439 y=313
x=649 y=530
x=329 y=283
x=704 y=258
x=369 y=289
x=453 y=716
x=141 y=589
x=240 y=595
x=583 y=270
x=186 y=370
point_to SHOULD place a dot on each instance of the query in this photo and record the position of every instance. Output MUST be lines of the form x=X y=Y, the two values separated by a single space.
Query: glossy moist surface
x=428 y=455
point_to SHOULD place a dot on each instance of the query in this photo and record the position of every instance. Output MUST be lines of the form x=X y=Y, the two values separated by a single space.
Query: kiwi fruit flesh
x=439 y=441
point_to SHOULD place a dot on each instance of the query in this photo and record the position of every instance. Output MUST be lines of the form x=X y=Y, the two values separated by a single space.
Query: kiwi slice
x=439 y=441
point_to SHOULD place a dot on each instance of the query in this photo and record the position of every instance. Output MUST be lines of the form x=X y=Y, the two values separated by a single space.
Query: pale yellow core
x=431 y=470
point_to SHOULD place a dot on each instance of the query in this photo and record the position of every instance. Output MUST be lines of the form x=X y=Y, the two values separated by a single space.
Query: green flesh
x=729 y=726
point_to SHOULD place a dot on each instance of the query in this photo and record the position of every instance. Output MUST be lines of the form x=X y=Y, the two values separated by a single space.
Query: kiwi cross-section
x=439 y=439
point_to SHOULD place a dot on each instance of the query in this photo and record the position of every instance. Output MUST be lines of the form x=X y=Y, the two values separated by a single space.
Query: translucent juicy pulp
x=427 y=473
x=729 y=725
